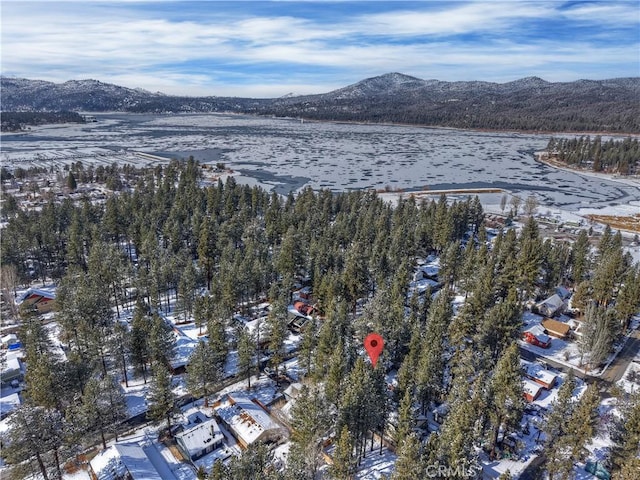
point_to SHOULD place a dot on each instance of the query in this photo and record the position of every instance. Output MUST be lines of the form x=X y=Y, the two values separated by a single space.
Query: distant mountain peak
x=380 y=85
x=529 y=103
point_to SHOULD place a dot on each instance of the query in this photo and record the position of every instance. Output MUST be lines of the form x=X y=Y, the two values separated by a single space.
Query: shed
x=292 y=391
x=8 y=340
x=555 y=328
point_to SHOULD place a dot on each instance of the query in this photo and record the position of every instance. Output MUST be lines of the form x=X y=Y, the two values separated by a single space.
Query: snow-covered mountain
x=527 y=104
x=20 y=94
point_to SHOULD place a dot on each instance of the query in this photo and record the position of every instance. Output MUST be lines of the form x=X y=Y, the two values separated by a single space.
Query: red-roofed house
x=536 y=335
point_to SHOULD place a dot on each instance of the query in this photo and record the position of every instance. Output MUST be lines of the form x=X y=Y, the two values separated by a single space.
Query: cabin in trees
x=550 y=306
x=539 y=374
x=531 y=390
x=40 y=300
x=123 y=461
x=556 y=329
x=302 y=308
x=296 y=324
x=536 y=335
x=202 y=436
x=248 y=421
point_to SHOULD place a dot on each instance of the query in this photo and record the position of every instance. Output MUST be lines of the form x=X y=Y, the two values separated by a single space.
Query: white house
x=248 y=421
x=550 y=306
x=200 y=438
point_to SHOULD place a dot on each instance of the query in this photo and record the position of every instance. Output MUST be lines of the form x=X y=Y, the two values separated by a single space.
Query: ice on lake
x=287 y=154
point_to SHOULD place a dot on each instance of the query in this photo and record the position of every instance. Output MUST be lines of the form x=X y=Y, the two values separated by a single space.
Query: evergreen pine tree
x=581 y=425
x=310 y=423
x=36 y=432
x=202 y=372
x=161 y=399
x=507 y=405
x=343 y=457
x=626 y=434
x=409 y=463
x=555 y=428
x=246 y=353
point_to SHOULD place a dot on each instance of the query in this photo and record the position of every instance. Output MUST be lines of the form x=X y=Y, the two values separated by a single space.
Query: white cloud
x=136 y=47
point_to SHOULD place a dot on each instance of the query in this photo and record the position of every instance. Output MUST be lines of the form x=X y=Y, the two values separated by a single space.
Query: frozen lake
x=287 y=154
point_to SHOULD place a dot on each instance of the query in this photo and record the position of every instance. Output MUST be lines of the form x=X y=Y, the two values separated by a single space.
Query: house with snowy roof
x=248 y=421
x=550 y=306
x=531 y=390
x=536 y=335
x=38 y=299
x=200 y=437
x=182 y=350
x=123 y=461
x=540 y=375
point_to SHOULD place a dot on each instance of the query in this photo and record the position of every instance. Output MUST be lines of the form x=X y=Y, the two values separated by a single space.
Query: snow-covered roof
x=247 y=419
x=257 y=327
x=8 y=403
x=50 y=294
x=553 y=303
x=537 y=371
x=120 y=458
x=431 y=270
x=9 y=339
x=293 y=390
x=183 y=349
x=423 y=284
x=200 y=436
x=538 y=331
x=530 y=387
x=11 y=364
x=294 y=311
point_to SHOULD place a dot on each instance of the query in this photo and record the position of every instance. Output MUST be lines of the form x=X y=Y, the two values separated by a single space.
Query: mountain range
x=530 y=103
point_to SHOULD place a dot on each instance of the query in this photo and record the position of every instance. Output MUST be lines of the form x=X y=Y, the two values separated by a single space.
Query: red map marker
x=373 y=343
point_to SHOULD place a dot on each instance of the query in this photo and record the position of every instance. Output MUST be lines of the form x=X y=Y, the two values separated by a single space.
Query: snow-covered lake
x=288 y=154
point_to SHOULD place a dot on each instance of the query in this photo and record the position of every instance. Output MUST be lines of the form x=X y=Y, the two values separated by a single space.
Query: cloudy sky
x=269 y=49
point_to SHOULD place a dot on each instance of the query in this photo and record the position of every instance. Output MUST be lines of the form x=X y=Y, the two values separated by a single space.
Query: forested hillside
x=612 y=156
x=526 y=104
x=165 y=234
x=16 y=121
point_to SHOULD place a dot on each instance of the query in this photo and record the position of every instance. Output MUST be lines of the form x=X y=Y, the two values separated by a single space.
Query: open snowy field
x=285 y=154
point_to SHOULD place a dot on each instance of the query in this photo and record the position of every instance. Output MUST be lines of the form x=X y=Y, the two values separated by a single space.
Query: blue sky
x=270 y=49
